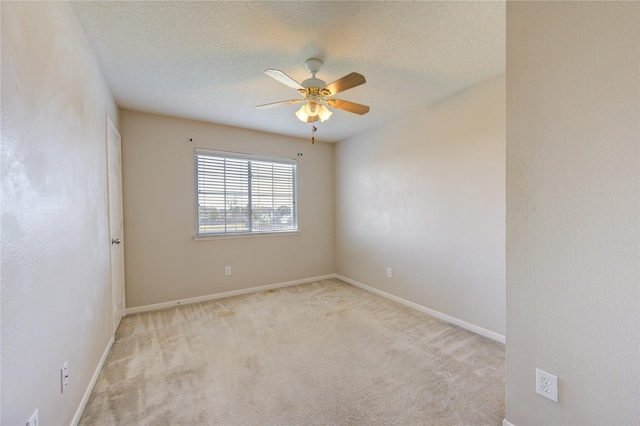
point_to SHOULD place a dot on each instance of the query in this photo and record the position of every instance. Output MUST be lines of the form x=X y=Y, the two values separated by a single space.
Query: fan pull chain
x=313 y=134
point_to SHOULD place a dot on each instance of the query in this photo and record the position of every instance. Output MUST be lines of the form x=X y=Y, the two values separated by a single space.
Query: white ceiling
x=206 y=60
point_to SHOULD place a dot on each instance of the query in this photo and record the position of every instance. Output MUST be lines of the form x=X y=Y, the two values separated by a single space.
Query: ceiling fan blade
x=347 y=82
x=275 y=104
x=347 y=106
x=283 y=78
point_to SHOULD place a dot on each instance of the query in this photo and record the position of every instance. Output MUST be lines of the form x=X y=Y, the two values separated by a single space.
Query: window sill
x=245 y=235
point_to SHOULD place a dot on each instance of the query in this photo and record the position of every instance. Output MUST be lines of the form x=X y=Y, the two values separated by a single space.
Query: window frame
x=249 y=158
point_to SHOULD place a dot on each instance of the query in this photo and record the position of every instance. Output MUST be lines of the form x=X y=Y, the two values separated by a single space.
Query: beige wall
x=163 y=262
x=573 y=97
x=55 y=236
x=425 y=196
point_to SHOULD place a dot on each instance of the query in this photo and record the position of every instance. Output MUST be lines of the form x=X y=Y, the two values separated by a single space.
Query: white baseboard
x=471 y=327
x=92 y=383
x=506 y=423
x=207 y=297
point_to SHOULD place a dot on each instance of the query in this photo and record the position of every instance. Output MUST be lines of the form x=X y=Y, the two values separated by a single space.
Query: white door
x=114 y=159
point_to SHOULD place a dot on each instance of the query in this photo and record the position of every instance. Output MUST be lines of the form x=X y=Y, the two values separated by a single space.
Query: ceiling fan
x=317 y=95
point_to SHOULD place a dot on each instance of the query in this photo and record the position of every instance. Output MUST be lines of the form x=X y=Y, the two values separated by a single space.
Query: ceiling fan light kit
x=316 y=94
x=312 y=110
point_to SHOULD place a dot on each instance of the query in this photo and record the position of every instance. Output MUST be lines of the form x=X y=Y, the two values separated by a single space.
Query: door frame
x=117 y=284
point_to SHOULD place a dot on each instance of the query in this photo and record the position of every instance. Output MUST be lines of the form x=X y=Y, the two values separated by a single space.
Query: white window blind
x=243 y=194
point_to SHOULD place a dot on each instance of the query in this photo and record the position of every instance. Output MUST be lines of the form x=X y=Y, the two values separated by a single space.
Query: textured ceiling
x=206 y=60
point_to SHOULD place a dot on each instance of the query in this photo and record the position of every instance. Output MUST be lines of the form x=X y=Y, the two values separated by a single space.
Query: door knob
x=115 y=241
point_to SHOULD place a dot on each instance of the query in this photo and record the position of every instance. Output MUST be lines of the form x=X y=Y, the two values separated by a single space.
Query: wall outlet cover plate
x=547 y=385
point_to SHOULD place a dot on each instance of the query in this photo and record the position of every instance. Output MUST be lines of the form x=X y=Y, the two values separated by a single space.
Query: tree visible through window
x=241 y=193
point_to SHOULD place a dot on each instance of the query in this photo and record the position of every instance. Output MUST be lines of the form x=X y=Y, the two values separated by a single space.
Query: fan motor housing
x=313 y=82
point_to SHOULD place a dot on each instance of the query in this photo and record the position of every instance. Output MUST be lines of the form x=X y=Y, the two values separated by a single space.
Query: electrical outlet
x=389 y=273
x=227 y=270
x=547 y=385
x=33 y=420
x=64 y=377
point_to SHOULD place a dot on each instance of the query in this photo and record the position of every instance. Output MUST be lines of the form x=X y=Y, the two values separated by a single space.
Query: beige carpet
x=323 y=353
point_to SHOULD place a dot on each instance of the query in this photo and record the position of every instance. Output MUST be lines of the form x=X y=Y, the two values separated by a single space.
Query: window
x=244 y=194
